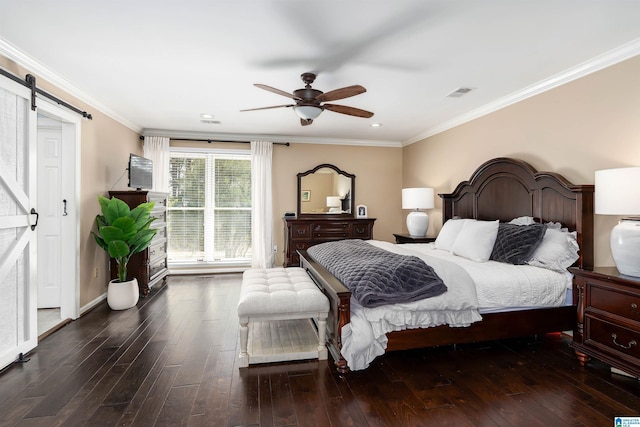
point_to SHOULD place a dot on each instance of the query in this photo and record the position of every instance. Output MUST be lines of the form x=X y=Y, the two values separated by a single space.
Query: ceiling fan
x=309 y=101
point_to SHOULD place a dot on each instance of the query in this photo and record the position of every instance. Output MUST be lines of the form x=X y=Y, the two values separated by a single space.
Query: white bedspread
x=472 y=288
x=365 y=338
x=502 y=286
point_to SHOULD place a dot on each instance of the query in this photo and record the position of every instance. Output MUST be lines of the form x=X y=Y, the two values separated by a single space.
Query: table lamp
x=417 y=198
x=617 y=192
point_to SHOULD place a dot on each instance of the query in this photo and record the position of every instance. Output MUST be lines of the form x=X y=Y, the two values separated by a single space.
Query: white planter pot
x=122 y=295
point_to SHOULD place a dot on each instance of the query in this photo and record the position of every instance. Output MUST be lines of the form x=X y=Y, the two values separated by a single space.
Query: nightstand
x=608 y=321
x=405 y=238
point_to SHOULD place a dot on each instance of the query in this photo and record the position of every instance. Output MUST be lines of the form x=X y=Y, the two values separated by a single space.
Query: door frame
x=70 y=227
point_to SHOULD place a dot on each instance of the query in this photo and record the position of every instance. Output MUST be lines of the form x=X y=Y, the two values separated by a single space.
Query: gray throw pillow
x=515 y=244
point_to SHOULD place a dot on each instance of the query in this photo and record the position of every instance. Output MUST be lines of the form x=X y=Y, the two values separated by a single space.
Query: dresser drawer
x=612 y=338
x=362 y=231
x=160 y=199
x=331 y=230
x=615 y=301
x=157 y=250
x=300 y=231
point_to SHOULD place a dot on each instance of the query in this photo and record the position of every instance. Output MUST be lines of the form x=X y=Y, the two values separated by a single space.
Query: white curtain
x=261 y=205
x=156 y=148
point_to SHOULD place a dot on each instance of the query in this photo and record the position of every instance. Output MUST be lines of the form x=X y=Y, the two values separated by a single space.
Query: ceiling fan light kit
x=307 y=112
x=309 y=101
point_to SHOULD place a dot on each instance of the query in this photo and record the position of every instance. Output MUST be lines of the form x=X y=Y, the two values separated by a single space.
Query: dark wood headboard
x=505 y=188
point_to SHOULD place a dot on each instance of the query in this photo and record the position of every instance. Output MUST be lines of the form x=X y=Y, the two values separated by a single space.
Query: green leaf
x=118 y=249
x=142 y=240
x=127 y=225
x=116 y=208
x=100 y=241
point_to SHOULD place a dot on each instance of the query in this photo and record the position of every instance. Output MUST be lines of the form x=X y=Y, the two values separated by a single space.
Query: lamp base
x=625 y=247
x=417 y=223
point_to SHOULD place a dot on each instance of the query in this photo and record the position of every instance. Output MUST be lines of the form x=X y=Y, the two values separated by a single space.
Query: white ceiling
x=159 y=64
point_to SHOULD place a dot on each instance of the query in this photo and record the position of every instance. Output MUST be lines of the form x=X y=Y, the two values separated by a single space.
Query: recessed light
x=206 y=116
x=376 y=125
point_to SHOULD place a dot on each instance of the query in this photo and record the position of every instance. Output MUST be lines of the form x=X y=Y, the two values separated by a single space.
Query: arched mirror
x=325 y=191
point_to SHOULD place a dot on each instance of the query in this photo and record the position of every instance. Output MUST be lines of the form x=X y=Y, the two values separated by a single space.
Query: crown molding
x=25 y=61
x=624 y=52
x=172 y=134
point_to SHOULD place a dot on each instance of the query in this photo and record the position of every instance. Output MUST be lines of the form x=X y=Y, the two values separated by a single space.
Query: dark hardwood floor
x=172 y=361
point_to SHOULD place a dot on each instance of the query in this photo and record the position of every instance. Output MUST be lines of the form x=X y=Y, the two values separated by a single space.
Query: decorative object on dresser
x=608 y=326
x=361 y=211
x=302 y=233
x=417 y=198
x=618 y=193
x=407 y=238
x=150 y=265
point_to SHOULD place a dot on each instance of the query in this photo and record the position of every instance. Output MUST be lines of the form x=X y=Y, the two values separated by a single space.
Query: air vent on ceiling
x=460 y=92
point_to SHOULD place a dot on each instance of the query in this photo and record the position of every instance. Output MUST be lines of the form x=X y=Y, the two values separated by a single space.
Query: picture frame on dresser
x=361 y=211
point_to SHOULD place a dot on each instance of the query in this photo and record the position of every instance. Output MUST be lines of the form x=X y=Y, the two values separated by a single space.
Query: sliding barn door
x=18 y=286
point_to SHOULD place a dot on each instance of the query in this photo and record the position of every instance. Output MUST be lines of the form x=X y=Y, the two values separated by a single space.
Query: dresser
x=608 y=326
x=150 y=265
x=302 y=233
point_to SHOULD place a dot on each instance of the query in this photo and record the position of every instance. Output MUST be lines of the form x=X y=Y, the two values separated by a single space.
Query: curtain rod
x=219 y=140
x=30 y=82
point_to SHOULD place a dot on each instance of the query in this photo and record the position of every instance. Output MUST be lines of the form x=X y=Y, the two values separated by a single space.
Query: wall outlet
x=95 y=272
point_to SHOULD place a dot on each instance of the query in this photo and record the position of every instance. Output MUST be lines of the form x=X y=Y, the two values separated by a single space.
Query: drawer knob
x=634 y=306
x=628 y=346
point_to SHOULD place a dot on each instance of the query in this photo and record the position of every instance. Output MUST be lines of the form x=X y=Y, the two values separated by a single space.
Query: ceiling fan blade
x=278 y=91
x=267 y=108
x=341 y=93
x=306 y=122
x=343 y=109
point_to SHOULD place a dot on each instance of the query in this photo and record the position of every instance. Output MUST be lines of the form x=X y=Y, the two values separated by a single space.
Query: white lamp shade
x=417 y=198
x=617 y=191
x=334 y=202
x=307 y=112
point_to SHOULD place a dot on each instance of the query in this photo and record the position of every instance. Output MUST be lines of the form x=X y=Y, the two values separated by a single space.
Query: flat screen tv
x=140 y=172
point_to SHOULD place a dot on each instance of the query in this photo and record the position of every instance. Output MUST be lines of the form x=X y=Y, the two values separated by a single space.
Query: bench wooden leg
x=322 y=337
x=243 y=361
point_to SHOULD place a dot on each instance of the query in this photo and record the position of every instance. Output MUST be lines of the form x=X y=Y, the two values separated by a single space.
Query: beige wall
x=589 y=124
x=104 y=148
x=378 y=172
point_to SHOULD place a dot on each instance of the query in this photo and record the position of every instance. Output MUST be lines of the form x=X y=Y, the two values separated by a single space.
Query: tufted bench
x=281 y=294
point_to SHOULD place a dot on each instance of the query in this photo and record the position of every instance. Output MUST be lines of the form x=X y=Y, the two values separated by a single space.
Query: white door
x=18 y=291
x=51 y=208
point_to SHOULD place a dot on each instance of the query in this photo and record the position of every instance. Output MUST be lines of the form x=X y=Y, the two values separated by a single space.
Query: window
x=209 y=207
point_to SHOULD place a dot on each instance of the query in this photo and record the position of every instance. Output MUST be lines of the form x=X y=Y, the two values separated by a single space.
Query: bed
x=500 y=189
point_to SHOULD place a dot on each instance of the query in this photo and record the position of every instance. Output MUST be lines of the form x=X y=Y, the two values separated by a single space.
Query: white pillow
x=523 y=220
x=448 y=233
x=557 y=251
x=476 y=239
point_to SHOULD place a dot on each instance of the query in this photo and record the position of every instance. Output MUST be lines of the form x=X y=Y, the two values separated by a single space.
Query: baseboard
x=92 y=304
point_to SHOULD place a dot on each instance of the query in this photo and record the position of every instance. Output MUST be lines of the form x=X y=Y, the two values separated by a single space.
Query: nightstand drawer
x=612 y=338
x=614 y=301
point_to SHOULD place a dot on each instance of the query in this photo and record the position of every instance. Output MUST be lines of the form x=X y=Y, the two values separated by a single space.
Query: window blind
x=209 y=207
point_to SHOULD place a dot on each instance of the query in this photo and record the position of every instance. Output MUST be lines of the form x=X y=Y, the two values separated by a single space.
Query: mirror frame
x=324 y=215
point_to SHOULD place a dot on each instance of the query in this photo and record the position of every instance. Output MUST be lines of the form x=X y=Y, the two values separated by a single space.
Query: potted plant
x=123 y=232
